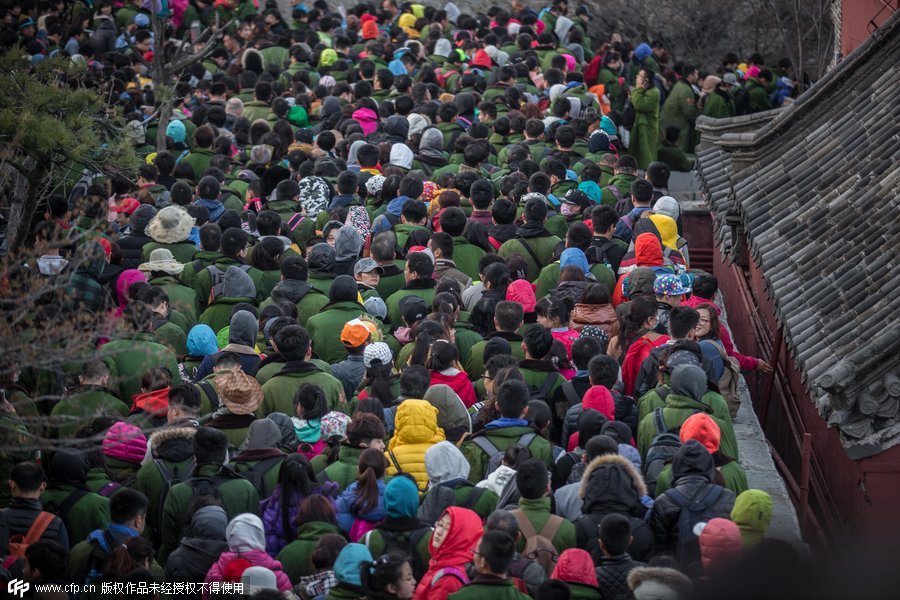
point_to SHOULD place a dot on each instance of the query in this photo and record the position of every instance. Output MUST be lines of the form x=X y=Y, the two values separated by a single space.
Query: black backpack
x=169 y=479
x=596 y=253
x=255 y=474
x=662 y=449
x=742 y=102
x=406 y=542
x=62 y=509
x=693 y=511
x=543 y=391
x=441 y=497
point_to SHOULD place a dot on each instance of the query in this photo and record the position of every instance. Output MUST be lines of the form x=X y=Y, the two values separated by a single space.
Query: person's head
x=443 y=355
x=309 y=402
x=535 y=210
x=705 y=286
x=552 y=312
x=294 y=268
x=584 y=349
x=210 y=446
x=234 y=242
x=184 y=402
x=366 y=431
x=641 y=192
x=43 y=559
x=210 y=237
x=626 y=164
x=532 y=479
x=707 y=326
x=512 y=397
x=293 y=343
x=453 y=221
x=682 y=322
x=553 y=589
x=95 y=373
x=414 y=381
x=27 y=480
x=604 y=219
x=615 y=534
x=537 y=342
x=441 y=245
x=603 y=370
x=371 y=467
x=418 y=266
x=388 y=576
x=508 y=316
x=495 y=554
x=658 y=174
x=129 y=507
x=414 y=212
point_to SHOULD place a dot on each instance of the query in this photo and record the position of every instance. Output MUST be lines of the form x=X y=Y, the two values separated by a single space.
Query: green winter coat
x=403 y=231
x=218 y=314
x=256 y=109
x=474 y=364
x=199 y=159
x=485 y=586
x=130 y=358
x=549 y=278
x=238 y=496
x=181 y=297
x=537 y=510
x=503 y=438
x=719 y=106
x=295 y=557
x=758 y=96
x=392 y=281
x=466 y=256
x=674 y=157
x=612 y=88
x=374 y=541
x=90 y=512
x=732 y=473
x=343 y=471
x=622 y=182
x=325 y=329
x=183 y=252
x=81 y=406
x=393 y=302
x=543 y=248
x=172 y=337
x=204 y=280
x=645 y=131
x=279 y=391
x=202 y=258
x=675 y=413
x=680 y=110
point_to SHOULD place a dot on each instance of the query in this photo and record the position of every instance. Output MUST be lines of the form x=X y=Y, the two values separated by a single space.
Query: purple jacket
x=270 y=509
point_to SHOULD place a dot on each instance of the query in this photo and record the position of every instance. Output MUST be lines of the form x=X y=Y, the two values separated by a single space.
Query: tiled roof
x=816 y=187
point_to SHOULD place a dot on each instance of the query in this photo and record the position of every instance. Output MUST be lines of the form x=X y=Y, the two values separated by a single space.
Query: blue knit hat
x=643 y=51
x=175 y=130
x=608 y=127
x=201 y=341
x=401 y=498
x=574 y=257
x=346 y=567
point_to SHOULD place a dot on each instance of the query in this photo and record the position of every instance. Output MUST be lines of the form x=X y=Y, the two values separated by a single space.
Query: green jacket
x=90 y=512
x=393 y=301
x=279 y=391
x=503 y=438
x=485 y=586
x=759 y=97
x=676 y=411
x=549 y=278
x=645 y=131
x=81 y=406
x=403 y=231
x=622 y=182
x=392 y=281
x=612 y=88
x=674 y=157
x=321 y=282
x=732 y=474
x=204 y=280
x=218 y=314
x=149 y=480
x=183 y=252
x=190 y=273
x=295 y=557
x=537 y=511
x=474 y=364
x=543 y=248
x=256 y=110
x=181 y=297
x=238 y=496
x=680 y=110
x=325 y=329
x=719 y=106
x=466 y=256
x=130 y=358
x=199 y=159
x=345 y=470
x=374 y=541
x=171 y=336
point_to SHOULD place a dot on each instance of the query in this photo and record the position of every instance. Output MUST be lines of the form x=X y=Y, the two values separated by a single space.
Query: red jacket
x=453 y=554
x=459 y=383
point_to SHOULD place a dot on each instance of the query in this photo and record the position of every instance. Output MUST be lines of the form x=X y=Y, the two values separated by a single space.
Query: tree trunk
x=24 y=203
x=165 y=113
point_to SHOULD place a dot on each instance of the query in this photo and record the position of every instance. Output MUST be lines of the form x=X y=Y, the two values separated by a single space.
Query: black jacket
x=192 y=559
x=131 y=247
x=17 y=518
x=612 y=575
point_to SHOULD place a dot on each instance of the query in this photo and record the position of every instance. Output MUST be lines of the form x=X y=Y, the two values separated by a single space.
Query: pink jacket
x=256 y=558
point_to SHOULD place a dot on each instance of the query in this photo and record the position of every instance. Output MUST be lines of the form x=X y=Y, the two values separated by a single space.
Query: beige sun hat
x=170 y=225
x=161 y=259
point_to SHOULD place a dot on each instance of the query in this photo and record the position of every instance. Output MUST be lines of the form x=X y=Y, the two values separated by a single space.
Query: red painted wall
x=860 y=17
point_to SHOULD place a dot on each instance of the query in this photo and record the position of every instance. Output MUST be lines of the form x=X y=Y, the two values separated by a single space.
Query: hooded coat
x=431 y=150
x=576 y=567
x=752 y=513
x=347 y=513
x=720 y=545
x=455 y=551
x=401 y=502
x=69 y=469
x=201 y=548
x=237 y=286
x=295 y=557
x=82 y=288
x=415 y=431
x=692 y=469
x=246 y=540
x=347 y=246
x=611 y=484
x=130 y=357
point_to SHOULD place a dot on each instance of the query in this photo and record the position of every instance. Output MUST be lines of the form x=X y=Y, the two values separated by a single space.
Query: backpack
x=18 y=543
x=571 y=394
x=596 y=253
x=662 y=449
x=495 y=455
x=211 y=395
x=405 y=542
x=217 y=280
x=742 y=102
x=539 y=546
x=621 y=201
x=578 y=467
x=97 y=561
x=693 y=511
x=441 y=497
x=255 y=474
x=114 y=486
x=542 y=393
x=62 y=509
x=168 y=481
x=729 y=380
x=453 y=572
x=628 y=115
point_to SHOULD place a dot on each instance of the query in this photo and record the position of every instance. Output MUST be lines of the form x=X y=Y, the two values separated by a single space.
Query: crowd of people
x=403 y=309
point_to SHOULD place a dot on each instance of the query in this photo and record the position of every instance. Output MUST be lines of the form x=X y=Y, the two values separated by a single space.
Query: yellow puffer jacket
x=415 y=431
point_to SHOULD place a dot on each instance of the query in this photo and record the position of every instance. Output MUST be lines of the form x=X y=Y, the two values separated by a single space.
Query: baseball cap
x=577 y=197
x=669 y=285
x=355 y=333
x=127 y=206
x=378 y=351
x=366 y=265
x=412 y=309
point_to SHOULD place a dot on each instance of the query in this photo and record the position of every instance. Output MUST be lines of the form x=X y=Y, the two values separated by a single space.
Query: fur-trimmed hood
x=660 y=583
x=173 y=443
x=611 y=484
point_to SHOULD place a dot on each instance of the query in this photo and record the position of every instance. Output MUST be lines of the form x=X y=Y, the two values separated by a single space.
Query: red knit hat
x=600 y=399
x=126 y=442
x=704 y=429
x=522 y=292
x=482 y=60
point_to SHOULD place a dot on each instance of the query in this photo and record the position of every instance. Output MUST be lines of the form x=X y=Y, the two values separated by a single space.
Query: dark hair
x=453 y=220
x=326 y=551
x=414 y=381
x=512 y=396
x=127 y=557
x=595 y=293
x=554 y=308
x=28 y=476
x=639 y=310
x=294 y=268
x=233 y=241
x=615 y=533
x=715 y=328
x=535 y=210
x=425 y=333
x=364 y=427
x=444 y=242
x=503 y=211
x=378 y=380
x=532 y=479
x=584 y=349
x=642 y=190
x=553 y=589
x=658 y=173
x=210 y=446
x=377 y=575
x=126 y=504
x=482 y=316
x=598 y=444
x=538 y=340
x=682 y=320
x=509 y=315
x=293 y=342
x=48 y=557
x=539 y=414
x=705 y=286
x=372 y=465
x=498 y=550
x=294 y=475
x=311 y=399
x=604 y=370
x=420 y=264
x=443 y=355
x=316 y=507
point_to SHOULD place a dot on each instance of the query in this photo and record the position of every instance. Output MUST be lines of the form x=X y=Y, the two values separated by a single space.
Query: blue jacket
x=344 y=505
